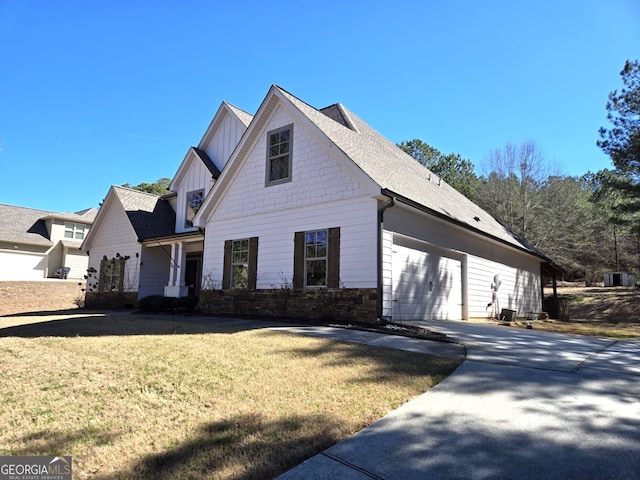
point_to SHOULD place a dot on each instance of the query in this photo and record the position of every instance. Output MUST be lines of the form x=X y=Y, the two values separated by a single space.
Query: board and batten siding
x=275 y=231
x=519 y=272
x=197 y=177
x=117 y=236
x=224 y=141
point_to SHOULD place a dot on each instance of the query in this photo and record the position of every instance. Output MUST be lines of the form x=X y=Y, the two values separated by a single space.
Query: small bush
x=145 y=303
x=187 y=304
x=159 y=303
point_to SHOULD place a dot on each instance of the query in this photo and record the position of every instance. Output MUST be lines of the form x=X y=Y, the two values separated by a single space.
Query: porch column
x=173 y=266
x=181 y=258
x=176 y=286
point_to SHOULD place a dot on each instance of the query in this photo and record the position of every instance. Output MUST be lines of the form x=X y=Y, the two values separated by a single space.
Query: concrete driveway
x=524 y=405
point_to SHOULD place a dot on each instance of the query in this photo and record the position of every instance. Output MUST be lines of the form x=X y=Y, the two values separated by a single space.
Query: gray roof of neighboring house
x=150 y=215
x=399 y=173
x=28 y=225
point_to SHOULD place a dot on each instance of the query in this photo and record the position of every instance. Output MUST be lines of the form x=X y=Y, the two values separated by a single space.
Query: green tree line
x=588 y=224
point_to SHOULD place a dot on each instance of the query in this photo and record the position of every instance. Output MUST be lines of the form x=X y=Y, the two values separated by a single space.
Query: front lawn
x=138 y=397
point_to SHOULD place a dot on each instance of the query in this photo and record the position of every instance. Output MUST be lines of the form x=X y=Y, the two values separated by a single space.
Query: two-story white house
x=308 y=212
x=143 y=244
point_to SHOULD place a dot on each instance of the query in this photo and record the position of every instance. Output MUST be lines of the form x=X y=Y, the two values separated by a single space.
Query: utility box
x=63 y=272
x=507 y=315
x=619 y=279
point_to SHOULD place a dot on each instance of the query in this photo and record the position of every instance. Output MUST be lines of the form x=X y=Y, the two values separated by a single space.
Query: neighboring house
x=37 y=244
x=313 y=213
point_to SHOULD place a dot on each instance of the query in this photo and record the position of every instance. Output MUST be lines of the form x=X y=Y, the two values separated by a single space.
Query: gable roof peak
x=340 y=114
x=244 y=116
x=133 y=190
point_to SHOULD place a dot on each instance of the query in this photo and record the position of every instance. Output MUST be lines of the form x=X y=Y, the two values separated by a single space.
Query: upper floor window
x=279 y=148
x=194 y=202
x=74 y=230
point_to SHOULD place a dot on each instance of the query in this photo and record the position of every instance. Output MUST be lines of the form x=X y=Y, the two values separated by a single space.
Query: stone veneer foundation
x=340 y=305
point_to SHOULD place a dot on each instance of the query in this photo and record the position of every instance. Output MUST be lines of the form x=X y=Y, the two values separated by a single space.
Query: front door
x=193 y=273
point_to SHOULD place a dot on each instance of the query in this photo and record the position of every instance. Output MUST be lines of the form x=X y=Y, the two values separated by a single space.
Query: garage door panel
x=22 y=266
x=426 y=285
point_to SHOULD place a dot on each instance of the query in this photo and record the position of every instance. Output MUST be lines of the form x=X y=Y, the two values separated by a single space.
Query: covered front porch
x=172 y=266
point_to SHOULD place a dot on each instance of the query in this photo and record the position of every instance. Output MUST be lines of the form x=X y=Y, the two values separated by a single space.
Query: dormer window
x=194 y=202
x=74 y=230
x=279 y=148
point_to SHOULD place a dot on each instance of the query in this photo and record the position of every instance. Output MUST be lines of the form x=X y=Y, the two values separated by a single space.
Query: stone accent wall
x=339 y=305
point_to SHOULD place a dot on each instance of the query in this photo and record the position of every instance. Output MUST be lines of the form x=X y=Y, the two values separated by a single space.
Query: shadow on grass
x=48 y=313
x=59 y=442
x=243 y=447
x=126 y=324
x=384 y=364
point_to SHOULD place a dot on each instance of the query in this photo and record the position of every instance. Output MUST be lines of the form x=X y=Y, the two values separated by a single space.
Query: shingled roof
x=150 y=215
x=398 y=173
x=28 y=225
x=204 y=158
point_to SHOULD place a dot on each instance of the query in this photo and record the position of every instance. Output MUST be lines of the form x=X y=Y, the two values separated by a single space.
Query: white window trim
x=268 y=181
x=187 y=207
x=72 y=227
x=325 y=258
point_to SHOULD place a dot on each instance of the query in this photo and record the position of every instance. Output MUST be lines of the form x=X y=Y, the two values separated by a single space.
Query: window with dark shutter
x=240 y=263
x=317 y=258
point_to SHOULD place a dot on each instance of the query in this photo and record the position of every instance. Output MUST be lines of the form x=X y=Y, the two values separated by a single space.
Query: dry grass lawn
x=599 y=311
x=151 y=398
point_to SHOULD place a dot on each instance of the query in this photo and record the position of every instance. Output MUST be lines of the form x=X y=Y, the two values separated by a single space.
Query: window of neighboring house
x=317 y=258
x=194 y=202
x=279 y=148
x=240 y=263
x=74 y=230
x=111 y=274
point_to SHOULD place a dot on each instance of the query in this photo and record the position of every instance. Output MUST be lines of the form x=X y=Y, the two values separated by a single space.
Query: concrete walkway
x=524 y=405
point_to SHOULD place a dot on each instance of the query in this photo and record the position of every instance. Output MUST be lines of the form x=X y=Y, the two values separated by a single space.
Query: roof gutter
x=390 y=203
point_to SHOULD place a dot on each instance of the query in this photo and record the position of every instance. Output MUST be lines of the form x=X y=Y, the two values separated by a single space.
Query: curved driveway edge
x=524 y=405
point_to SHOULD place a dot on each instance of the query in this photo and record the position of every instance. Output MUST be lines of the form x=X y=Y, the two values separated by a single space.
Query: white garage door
x=22 y=266
x=78 y=262
x=426 y=284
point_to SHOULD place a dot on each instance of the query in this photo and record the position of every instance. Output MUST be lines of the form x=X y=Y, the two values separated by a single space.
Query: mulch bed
x=390 y=328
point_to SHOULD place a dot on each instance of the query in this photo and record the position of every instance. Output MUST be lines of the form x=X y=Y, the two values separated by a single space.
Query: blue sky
x=100 y=93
